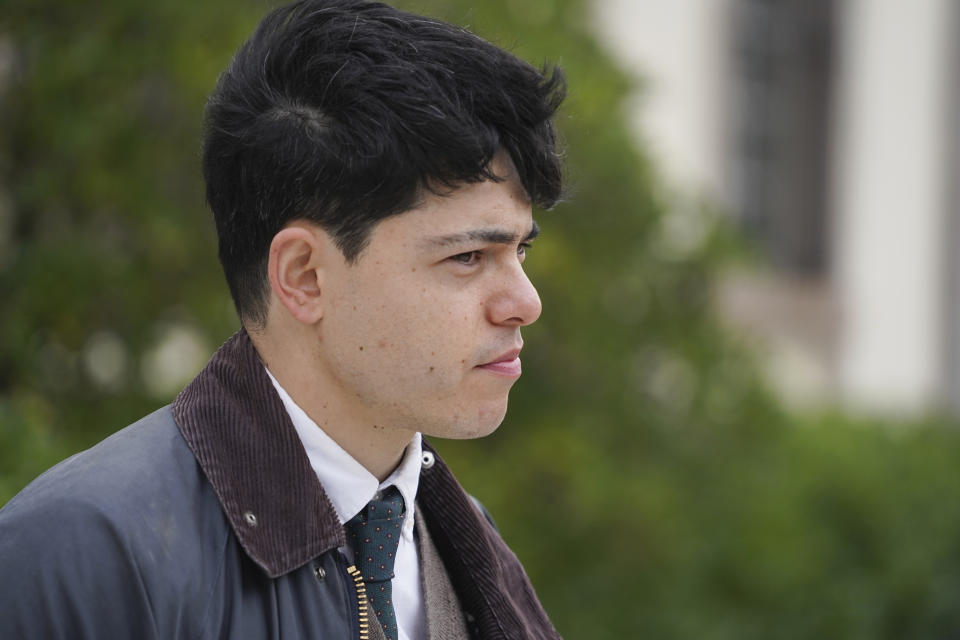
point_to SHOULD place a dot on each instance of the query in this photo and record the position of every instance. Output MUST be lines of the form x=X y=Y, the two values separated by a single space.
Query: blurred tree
x=108 y=256
x=678 y=499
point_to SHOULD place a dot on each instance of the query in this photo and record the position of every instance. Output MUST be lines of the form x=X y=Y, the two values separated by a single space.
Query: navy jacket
x=205 y=520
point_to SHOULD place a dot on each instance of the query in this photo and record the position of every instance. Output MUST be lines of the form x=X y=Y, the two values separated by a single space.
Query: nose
x=516 y=302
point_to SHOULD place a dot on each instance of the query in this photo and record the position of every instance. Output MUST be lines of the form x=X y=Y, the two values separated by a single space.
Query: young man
x=371 y=174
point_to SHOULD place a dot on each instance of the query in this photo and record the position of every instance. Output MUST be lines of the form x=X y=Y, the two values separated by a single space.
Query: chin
x=485 y=421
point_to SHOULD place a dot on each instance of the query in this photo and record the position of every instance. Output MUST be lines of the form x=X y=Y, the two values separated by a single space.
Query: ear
x=295 y=272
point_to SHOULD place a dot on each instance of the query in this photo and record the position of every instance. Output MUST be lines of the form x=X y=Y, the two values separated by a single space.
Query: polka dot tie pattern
x=374 y=534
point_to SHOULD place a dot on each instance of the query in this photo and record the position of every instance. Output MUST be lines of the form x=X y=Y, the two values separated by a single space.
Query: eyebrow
x=491 y=235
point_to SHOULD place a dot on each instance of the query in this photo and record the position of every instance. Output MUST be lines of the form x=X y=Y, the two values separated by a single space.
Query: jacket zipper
x=361 y=601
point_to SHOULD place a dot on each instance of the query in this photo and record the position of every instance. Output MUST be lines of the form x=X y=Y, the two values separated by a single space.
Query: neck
x=376 y=445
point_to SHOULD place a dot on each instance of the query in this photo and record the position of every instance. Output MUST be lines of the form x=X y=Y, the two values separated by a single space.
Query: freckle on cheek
x=431 y=369
x=361 y=348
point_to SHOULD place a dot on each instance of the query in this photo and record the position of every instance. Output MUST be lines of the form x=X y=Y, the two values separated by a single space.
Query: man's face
x=423 y=331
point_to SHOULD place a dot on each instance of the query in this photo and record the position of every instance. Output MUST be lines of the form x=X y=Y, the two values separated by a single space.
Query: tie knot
x=374 y=534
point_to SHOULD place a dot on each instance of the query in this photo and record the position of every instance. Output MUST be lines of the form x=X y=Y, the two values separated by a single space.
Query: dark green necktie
x=374 y=534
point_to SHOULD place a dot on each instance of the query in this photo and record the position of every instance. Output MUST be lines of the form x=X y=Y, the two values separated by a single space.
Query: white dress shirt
x=350 y=487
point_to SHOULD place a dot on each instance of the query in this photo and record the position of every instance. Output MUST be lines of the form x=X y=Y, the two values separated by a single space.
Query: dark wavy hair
x=343 y=112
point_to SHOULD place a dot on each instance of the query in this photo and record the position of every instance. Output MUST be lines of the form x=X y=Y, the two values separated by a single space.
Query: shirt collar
x=346 y=482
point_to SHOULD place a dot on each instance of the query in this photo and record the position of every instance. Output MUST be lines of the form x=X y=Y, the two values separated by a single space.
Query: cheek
x=428 y=335
x=407 y=330
x=397 y=326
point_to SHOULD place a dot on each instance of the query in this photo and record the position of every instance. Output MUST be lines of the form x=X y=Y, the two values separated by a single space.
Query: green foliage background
x=644 y=475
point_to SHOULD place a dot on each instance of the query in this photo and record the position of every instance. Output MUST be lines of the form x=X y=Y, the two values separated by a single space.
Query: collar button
x=428 y=459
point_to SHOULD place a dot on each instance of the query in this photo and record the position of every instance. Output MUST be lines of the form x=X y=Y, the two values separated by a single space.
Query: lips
x=506 y=364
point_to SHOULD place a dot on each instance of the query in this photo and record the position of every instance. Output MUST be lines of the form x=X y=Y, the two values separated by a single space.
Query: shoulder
x=136 y=481
x=117 y=524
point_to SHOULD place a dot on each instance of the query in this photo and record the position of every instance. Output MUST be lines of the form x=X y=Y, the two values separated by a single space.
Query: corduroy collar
x=240 y=433
x=242 y=437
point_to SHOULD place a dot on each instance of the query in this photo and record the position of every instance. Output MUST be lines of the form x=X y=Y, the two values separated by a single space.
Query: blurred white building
x=830 y=129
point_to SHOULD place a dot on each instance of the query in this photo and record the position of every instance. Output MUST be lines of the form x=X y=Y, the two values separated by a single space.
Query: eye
x=522 y=250
x=468 y=259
